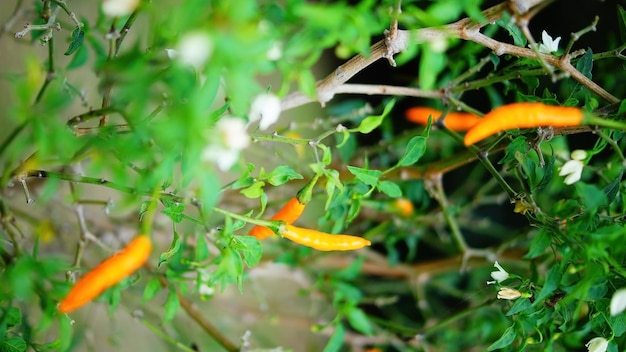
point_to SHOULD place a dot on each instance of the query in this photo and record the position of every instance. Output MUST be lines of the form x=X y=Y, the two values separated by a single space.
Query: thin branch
x=387 y=90
x=17 y=13
x=562 y=63
x=199 y=318
x=466 y=29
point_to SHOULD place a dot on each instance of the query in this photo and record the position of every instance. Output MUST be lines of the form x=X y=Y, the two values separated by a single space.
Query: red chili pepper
x=523 y=115
x=456 y=121
x=323 y=241
x=108 y=273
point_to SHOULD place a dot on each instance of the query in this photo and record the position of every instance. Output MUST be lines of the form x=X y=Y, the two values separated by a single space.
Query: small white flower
x=275 y=52
x=116 y=8
x=228 y=138
x=499 y=275
x=597 y=344
x=206 y=290
x=509 y=293
x=266 y=108
x=172 y=54
x=618 y=301
x=195 y=49
x=573 y=169
x=549 y=45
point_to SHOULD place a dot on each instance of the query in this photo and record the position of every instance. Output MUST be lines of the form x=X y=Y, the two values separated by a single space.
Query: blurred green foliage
x=162 y=77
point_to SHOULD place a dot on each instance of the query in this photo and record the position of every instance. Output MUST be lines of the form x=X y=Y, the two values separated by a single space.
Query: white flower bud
x=597 y=344
x=509 y=293
x=195 y=49
x=116 y=8
x=618 y=301
x=499 y=275
x=266 y=108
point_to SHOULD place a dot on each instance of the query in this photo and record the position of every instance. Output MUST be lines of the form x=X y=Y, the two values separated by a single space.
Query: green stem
x=50 y=73
x=125 y=29
x=12 y=136
x=483 y=158
x=280 y=139
x=86 y=116
x=592 y=120
x=165 y=336
x=612 y=143
x=442 y=323
x=272 y=224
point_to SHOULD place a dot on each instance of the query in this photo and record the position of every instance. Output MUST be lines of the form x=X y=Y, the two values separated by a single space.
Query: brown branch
x=387 y=90
x=206 y=325
x=398 y=40
x=562 y=63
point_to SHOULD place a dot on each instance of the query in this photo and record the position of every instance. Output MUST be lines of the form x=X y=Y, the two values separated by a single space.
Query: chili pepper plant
x=298 y=175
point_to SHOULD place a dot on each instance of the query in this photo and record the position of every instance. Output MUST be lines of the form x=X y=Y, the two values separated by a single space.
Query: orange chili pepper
x=323 y=241
x=289 y=213
x=108 y=273
x=403 y=206
x=456 y=121
x=523 y=115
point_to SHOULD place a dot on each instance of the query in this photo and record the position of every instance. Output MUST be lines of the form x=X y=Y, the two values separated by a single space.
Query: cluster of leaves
x=160 y=118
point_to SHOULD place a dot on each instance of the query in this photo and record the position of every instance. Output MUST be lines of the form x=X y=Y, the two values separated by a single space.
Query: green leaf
x=202 y=249
x=251 y=250
x=214 y=116
x=174 y=248
x=585 y=66
x=370 y=123
x=327 y=155
x=612 y=188
x=174 y=211
x=552 y=282
x=78 y=36
x=347 y=147
x=282 y=174
x=538 y=246
x=336 y=340
x=306 y=83
x=245 y=179
x=431 y=65
x=368 y=177
x=621 y=16
x=210 y=191
x=506 y=339
x=229 y=269
x=415 y=149
x=13 y=344
x=254 y=191
x=518 y=145
x=514 y=31
x=358 y=320
x=65 y=332
x=152 y=289
x=390 y=188
x=79 y=59
x=171 y=306
x=591 y=196
x=547 y=172
x=12 y=317
x=520 y=305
